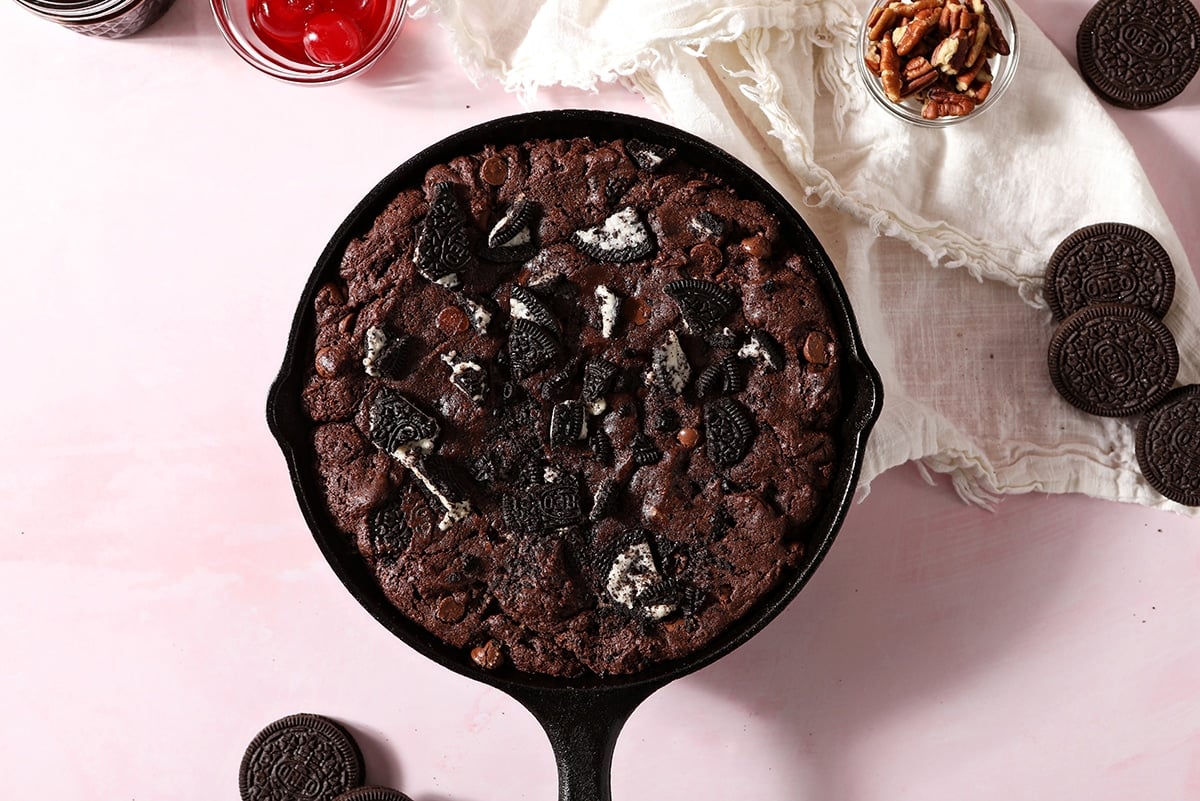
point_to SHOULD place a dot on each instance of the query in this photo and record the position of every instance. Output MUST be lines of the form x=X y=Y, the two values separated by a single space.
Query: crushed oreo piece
x=648 y=155
x=559 y=503
x=468 y=375
x=666 y=420
x=599 y=376
x=386 y=354
x=604 y=500
x=729 y=428
x=442 y=251
x=398 y=427
x=514 y=222
x=524 y=304
x=544 y=506
x=722 y=377
x=633 y=574
x=766 y=348
x=531 y=348
x=670 y=365
x=511 y=393
x=388 y=530
x=703 y=304
x=446 y=486
x=617 y=185
x=601 y=445
x=511 y=238
x=567 y=422
x=644 y=450
x=480 y=312
x=621 y=238
x=723 y=339
x=610 y=308
x=706 y=224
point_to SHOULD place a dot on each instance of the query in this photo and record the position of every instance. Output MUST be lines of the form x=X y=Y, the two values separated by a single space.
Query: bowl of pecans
x=937 y=62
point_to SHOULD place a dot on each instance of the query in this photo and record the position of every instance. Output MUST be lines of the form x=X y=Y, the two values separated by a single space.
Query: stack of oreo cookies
x=1109 y=285
x=307 y=757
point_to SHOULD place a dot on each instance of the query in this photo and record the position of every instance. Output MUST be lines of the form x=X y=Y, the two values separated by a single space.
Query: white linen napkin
x=962 y=350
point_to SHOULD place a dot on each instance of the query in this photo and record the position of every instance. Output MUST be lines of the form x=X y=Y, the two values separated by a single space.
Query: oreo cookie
x=1168 y=446
x=703 y=304
x=442 y=252
x=373 y=794
x=729 y=427
x=647 y=155
x=531 y=348
x=301 y=757
x=621 y=238
x=1113 y=360
x=398 y=427
x=1136 y=54
x=511 y=238
x=1109 y=263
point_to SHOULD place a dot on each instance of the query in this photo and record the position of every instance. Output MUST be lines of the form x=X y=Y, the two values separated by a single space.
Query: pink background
x=161 y=205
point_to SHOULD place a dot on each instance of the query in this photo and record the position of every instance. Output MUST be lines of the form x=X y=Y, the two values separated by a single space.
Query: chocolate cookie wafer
x=301 y=757
x=1109 y=263
x=1168 y=446
x=1137 y=54
x=1113 y=360
x=373 y=794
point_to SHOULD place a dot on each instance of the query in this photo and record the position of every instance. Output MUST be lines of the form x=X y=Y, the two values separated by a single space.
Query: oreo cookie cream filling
x=574 y=402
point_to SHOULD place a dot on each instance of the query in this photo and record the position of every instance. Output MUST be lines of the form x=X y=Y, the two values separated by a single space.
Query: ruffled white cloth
x=962 y=350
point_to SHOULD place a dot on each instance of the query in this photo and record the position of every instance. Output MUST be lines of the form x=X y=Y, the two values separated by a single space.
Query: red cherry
x=332 y=39
x=282 y=20
x=354 y=9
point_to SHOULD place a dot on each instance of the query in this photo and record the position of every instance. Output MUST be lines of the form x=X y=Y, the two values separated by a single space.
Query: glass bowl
x=233 y=18
x=909 y=109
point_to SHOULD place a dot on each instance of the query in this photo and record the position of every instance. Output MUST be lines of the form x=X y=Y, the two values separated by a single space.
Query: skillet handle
x=582 y=726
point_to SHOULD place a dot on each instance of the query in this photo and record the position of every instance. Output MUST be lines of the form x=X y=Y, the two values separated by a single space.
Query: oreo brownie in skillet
x=572 y=400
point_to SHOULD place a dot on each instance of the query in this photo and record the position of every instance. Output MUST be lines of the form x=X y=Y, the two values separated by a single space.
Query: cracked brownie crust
x=572 y=401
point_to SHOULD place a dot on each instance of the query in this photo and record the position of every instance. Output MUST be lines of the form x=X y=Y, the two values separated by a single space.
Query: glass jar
x=110 y=19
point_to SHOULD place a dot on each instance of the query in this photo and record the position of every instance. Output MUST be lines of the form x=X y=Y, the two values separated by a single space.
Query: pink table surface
x=161 y=600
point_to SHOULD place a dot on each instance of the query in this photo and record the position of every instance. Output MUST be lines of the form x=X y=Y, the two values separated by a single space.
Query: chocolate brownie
x=574 y=401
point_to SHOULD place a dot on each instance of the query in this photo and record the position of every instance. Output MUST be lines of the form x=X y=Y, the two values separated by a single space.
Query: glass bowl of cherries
x=309 y=41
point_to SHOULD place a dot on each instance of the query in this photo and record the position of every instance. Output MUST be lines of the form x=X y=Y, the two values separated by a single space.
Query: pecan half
x=941 y=102
x=889 y=64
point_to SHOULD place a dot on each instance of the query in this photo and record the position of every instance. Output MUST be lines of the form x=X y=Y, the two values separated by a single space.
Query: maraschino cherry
x=324 y=33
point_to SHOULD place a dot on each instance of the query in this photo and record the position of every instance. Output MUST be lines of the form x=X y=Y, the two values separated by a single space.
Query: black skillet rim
x=862 y=385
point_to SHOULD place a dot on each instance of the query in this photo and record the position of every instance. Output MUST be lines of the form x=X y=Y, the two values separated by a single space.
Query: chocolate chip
x=452 y=320
x=328 y=362
x=300 y=756
x=450 y=610
x=488 y=656
x=730 y=431
x=621 y=238
x=757 y=246
x=493 y=171
x=706 y=257
x=442 y=252
x=688 y=437
x=648 y=155
x=398 y=426
x=814 y=348
x=703 y=304
x=566 y=422
x=531 y=348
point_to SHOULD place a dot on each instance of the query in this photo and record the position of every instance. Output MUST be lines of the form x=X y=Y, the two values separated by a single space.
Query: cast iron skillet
x=582 y=717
